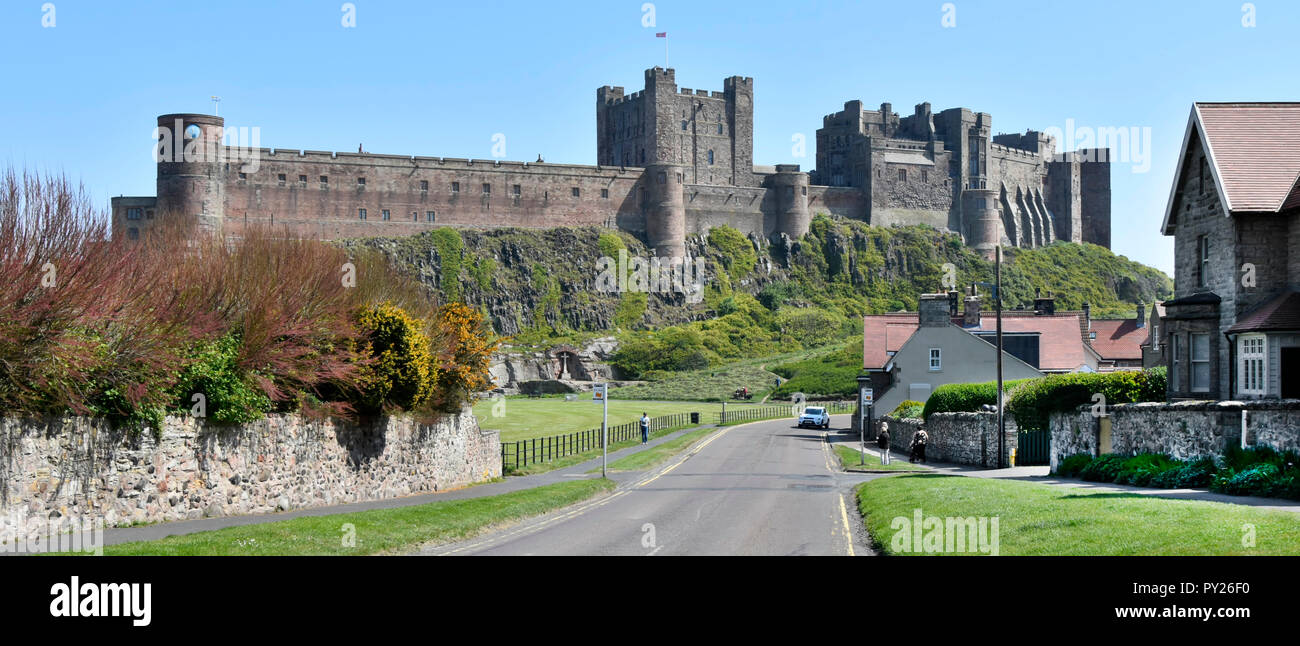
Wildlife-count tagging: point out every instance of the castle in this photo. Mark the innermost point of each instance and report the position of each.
(672, 162)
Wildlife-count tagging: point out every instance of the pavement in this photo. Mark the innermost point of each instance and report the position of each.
(764, 488)
(1042, 475)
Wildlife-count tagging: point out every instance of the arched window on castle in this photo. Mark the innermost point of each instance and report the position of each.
(710, 157)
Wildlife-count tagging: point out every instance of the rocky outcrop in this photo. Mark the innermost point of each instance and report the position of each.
(575, 367)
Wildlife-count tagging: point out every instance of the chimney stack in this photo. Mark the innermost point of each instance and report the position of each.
(972, 314)
(1044, 306)
(1087, 316)
(953, 300)
(1142, 315)
(933, 310)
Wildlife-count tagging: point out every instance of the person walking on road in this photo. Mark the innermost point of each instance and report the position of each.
(918, 445)
(645, 428)
(882, 441)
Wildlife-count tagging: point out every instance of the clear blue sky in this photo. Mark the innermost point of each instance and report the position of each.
(440, 78)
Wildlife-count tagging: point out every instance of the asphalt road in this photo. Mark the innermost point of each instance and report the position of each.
(765, 488)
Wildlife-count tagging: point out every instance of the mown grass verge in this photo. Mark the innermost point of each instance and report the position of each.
(534, 468)
(1040, 520)
(656, 455)
(850, 459)
(376, 532)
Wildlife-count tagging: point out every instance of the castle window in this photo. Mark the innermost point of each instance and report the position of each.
(385, 214)
(424, 185)
(361, 182)
(710, 157)
(642, 156)
(324, 181)
(455, 187)
(925, 176)
(803, 190)
(430, 215)
(302, 179)
(134, 213)
(662, 178)
(192, 131)
(577, 192)
(679, 178)
(487, 188)
(243, 177)
(361, 214)
(683, 125)
(604, 193)
(280, 178)
(516, 190)
(719, 128)
(902, 174)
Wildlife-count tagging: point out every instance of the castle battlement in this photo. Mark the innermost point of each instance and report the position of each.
(669, 165)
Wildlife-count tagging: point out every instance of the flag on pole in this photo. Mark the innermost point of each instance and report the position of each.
(662, 34)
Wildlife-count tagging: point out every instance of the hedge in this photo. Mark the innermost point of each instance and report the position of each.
(1033, 404)
(967, 398)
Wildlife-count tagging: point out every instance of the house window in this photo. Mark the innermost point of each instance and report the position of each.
(455, 187)
(424, 186)
(577, 192)
(361, 214)
(385, 214)
(1203, 261)
(134, 213)
(1200, 363)
(430, 215)
(1175, 362)
(1252, 365)
(487, 188)
(936, 359)
(148, 214)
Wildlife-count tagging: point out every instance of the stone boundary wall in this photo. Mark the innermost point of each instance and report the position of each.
(51, 468)
(1183, 430)
(959, 438)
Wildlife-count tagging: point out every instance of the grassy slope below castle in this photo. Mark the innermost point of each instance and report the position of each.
(761, 300)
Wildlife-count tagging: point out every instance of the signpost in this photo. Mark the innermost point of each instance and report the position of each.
(868, 399)
(599, 393)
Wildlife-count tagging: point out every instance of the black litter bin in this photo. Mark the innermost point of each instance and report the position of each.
(695, 418)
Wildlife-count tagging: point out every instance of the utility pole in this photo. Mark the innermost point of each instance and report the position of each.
(997, 296)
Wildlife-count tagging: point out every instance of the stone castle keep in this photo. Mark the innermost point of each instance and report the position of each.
(672, 162)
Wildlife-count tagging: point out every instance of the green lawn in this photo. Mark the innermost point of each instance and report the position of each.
(534, 468)
(1037, 519)
(378, 531)
(524, 418)
(718, 383)
(657, 455)
(851, 459)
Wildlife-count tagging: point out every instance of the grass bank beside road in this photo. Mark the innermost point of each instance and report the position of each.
(1038, 520)
(374, 532)
(524, 418)
(656, 455)
(851, 459)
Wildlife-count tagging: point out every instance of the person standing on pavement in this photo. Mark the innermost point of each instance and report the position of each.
(882, 441)
(918, 445)
(645, 428)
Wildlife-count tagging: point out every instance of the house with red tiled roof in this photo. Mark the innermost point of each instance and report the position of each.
(1232, 330)
(909, 354)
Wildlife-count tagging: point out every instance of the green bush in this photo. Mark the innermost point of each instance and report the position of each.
(1140, 469)
(737, 252)
(909, 409)
(1105, 468)
(1195, 474)
(968, 398)
(403, 372)
(231, 395)
(450, 248)
(1033, 404)
(830, 375)
(1255, 480)
(1072, 465)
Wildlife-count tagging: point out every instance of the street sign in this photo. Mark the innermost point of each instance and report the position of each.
(598, 392)
(868, 396)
